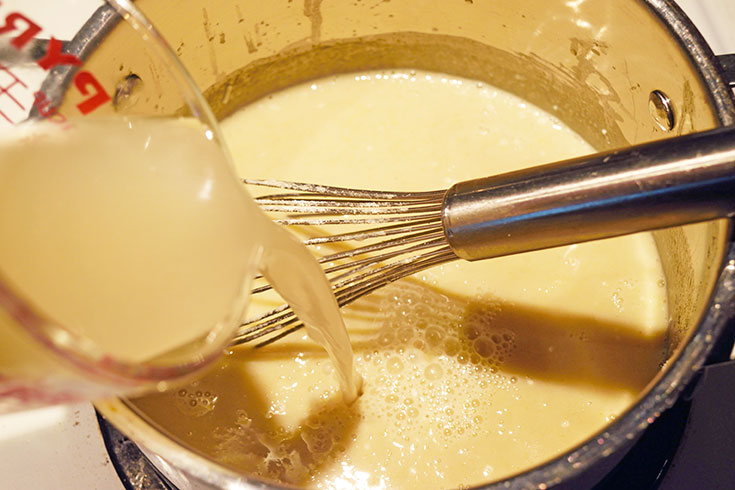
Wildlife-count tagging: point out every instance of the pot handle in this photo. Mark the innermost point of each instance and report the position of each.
(727, 62)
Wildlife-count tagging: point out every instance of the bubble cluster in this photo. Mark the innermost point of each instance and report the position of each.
(432, 364)
(492, 343)
(286, 455)
(318, 440)
(194, 401)
(460, 386)
(421, 319)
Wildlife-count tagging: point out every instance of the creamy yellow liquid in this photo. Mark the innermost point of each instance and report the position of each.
(137, 239)
(473, 371)
(136, 248)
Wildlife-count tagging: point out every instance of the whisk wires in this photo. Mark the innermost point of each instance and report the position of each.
(381, 236)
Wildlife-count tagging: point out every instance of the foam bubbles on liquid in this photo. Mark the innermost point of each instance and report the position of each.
(430, 348)
(443, 373)
(194, 401)
(287, 455)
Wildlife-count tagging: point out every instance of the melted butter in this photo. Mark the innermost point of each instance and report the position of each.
(473, 371)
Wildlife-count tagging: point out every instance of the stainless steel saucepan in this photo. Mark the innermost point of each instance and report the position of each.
(619, 73)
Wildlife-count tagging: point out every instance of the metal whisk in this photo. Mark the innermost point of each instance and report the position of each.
(657, 185)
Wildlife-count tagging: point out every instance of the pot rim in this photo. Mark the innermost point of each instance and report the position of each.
(712, 321)
(615, 436)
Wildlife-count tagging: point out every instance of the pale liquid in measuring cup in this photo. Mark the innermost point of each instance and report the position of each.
(473, 371)
(137, 237)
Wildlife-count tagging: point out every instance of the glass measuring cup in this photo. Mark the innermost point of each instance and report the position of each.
(124, 262)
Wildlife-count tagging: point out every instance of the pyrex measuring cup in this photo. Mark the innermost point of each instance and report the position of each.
(120, 265)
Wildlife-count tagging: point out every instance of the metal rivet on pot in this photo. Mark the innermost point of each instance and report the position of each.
(661, 109)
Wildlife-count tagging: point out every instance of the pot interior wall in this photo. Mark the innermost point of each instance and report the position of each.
(592, 63)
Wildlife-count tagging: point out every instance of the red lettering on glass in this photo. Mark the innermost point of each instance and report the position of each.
(43, 105)
(30, 31)
(83, 81)
(54, 56)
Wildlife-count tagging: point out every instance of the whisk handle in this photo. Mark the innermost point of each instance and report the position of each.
(656, 185)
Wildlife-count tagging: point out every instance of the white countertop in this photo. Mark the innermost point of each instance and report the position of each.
(60, 448)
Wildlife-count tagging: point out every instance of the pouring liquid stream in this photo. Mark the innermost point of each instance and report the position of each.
(136, 245)
(477, 370)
